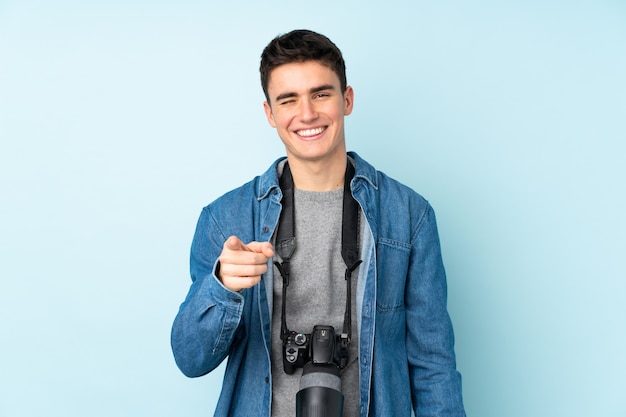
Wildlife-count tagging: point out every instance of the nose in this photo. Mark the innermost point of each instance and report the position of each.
(308, 112)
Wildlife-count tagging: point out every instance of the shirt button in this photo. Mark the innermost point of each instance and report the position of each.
(266, 229)
(267, 379)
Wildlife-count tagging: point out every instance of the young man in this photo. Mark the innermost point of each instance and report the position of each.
(251, 288)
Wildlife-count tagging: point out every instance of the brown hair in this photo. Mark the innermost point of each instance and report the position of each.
(300, 46)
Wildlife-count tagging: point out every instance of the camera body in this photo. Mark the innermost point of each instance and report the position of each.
(320, 347)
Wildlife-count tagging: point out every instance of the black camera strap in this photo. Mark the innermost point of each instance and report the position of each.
(286, 246)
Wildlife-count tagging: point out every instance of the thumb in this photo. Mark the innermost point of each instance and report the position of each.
(264, 248)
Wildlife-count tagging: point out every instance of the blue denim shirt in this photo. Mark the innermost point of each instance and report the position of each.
(406, 343)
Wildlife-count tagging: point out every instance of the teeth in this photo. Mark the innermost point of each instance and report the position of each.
(310, 132)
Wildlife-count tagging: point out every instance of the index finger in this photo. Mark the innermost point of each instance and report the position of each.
(235, 244)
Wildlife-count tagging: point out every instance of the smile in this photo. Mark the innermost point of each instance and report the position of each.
(310, 132)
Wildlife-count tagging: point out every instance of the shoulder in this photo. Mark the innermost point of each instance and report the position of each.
(391, 192)
(249, 193)
(395, 210)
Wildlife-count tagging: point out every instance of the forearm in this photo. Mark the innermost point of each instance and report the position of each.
(205, 327)
(206, 324)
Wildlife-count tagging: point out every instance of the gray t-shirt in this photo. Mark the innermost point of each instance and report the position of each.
(316, 295)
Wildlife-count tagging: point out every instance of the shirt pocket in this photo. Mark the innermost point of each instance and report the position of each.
(392, 260)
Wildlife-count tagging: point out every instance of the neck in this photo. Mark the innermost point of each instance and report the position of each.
(318, 176)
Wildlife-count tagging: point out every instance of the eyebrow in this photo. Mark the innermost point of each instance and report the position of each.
(311, 91)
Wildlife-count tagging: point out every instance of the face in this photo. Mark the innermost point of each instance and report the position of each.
(307, 108)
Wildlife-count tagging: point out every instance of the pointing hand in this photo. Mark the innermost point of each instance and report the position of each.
(241, 265)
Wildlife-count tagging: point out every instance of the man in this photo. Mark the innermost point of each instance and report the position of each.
(250, 290)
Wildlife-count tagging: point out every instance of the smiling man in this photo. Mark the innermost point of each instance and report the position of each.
(321, 280)
(307, 104)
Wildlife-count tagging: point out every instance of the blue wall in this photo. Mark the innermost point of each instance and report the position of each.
(120, 120)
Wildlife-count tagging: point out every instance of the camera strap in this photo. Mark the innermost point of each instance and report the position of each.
(286, 246)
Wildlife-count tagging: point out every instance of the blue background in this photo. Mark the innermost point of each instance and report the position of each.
(119, 120)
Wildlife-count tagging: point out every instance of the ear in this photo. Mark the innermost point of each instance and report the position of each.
(348, 101)
(269, 114)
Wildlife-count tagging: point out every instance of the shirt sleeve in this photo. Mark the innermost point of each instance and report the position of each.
(435, 382)
(209, 320)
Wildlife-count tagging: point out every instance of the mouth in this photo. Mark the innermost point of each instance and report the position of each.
(310, 133)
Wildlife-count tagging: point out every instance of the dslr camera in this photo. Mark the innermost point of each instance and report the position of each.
(321, 354)
(321, 347)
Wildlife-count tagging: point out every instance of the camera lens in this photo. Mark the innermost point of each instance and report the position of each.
(320, 392)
